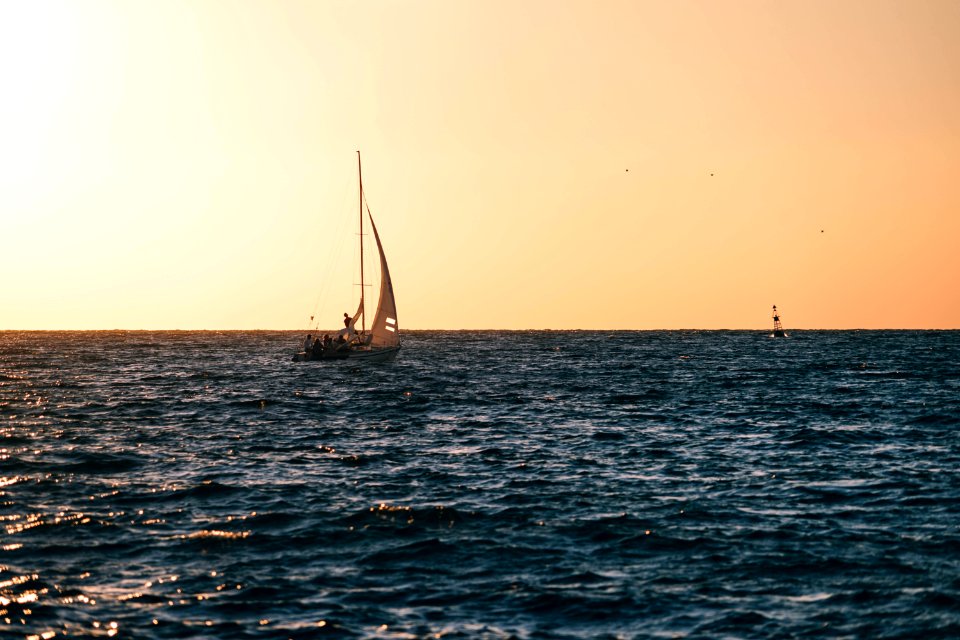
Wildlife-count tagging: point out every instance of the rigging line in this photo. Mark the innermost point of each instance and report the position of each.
(341, 242)
(363, 299)
(339, 238)
(325, 279)
(366, 203)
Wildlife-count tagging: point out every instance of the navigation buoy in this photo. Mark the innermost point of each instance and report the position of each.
(778, 331)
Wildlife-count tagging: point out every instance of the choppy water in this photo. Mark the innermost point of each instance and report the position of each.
(484, 485)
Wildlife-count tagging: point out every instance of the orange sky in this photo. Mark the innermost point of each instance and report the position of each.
(530, 164)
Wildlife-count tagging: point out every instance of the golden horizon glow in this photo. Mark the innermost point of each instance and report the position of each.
(576, 165)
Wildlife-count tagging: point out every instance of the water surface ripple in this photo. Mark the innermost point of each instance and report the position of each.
(485, 485)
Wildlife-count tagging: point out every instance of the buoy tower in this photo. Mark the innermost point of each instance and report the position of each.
(777, 327)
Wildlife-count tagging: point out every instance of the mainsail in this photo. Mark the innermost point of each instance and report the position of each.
(356, 316)
(384, 330)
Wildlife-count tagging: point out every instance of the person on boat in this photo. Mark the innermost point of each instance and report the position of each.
(317, 350)
(348, 332)
(307, 343)
(326, 340)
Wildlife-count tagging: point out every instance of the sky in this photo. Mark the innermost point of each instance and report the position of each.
(530, 165)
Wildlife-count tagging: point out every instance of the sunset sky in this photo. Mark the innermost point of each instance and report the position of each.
(530, 164)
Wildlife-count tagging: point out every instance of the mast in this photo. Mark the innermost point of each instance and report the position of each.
(363, 303)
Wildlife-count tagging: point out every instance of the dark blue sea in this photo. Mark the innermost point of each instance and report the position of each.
(659, 484)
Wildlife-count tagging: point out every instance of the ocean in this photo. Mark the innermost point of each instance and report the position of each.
(531, 484)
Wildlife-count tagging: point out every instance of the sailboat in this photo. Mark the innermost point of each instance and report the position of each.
(381, 342)
(778, 331)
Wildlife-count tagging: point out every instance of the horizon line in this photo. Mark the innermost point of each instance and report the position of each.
(332, 330)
